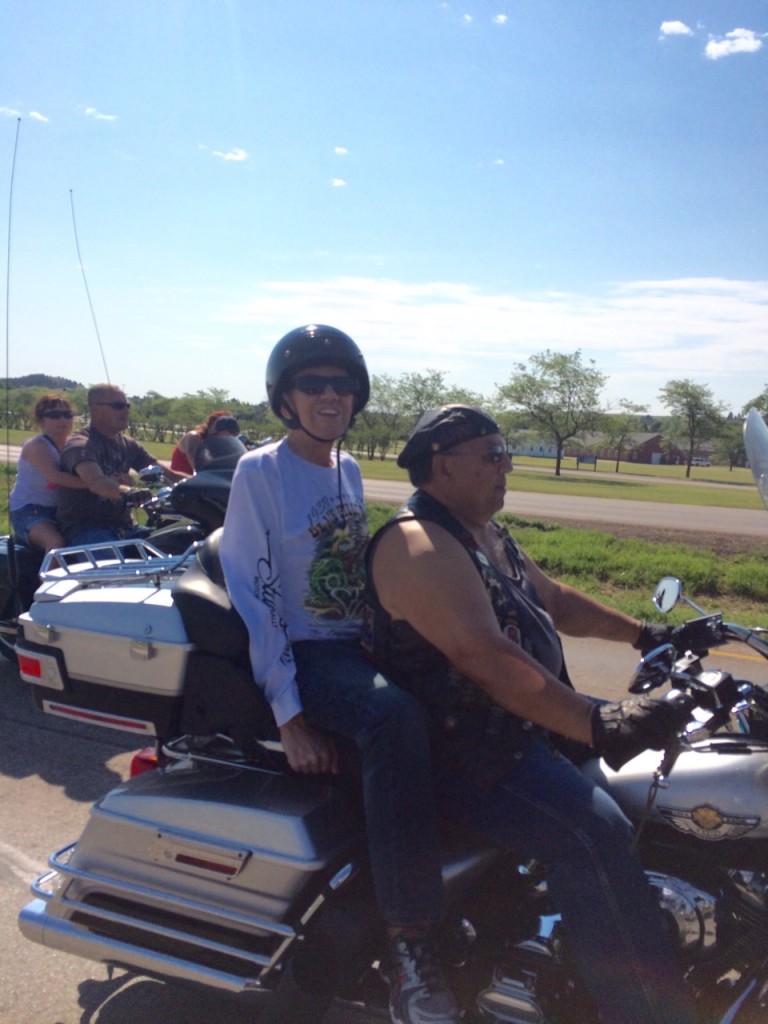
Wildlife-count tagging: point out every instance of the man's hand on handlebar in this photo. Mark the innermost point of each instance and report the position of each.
(625, 729)
(654, 634)
(135, 496)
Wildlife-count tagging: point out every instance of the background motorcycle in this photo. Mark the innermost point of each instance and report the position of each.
(176, 517)
(224, 870)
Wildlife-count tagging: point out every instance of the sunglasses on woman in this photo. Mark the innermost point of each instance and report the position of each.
(315, 384)
(58, 414)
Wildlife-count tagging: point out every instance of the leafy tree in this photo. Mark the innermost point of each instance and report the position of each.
(559, 394)
(760, 403)
(730, 444)
(463, 396)
(421, 391)
(395, 405)
(696, 416)
(618, 428)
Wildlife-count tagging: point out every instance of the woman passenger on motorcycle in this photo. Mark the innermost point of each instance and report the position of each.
(292, 552)
(34, 497)
(183, 455)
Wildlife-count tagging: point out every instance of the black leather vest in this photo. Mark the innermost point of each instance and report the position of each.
(467, 726)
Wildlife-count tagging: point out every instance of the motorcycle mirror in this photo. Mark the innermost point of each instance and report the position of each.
(668, 592)
(756, 446)
(151, 474)
(654, 669)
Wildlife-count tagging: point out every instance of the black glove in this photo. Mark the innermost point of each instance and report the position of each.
(654, 634)
(623, 730)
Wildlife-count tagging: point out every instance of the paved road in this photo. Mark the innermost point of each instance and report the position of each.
(560, 507)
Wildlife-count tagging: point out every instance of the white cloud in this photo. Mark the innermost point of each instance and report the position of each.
(98, 116)
(338, 183)
(340, 150)
(500, 19)
(234, 155)
(674, 28)
(740, 40)
(9, 112)
(640, 333)
(36, 116)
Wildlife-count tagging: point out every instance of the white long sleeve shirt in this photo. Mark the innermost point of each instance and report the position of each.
(292, 554)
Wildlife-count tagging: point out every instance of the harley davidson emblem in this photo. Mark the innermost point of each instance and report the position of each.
(707, 822)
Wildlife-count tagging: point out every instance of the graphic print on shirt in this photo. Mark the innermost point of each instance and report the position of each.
(336, 574)
(266, 587)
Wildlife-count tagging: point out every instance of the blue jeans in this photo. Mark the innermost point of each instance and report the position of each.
(344, 694)
(546, 809)
(24, 518)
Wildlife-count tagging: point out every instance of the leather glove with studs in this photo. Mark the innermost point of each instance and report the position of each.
(654, 634)
(625, 729)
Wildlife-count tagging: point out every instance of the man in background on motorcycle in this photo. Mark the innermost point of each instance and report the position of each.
(293, 552)
(103, 458)
(463, 619)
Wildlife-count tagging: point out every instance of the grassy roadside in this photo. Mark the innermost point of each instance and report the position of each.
(615, 567)
(622, 571)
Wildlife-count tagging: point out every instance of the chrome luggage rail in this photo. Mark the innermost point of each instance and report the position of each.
(115, 561)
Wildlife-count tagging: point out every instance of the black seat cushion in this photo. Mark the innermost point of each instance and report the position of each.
(211, 621)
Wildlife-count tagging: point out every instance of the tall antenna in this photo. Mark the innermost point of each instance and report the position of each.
(87, 292)
(8, 303)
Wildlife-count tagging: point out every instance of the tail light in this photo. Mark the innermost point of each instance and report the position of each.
(144, 760)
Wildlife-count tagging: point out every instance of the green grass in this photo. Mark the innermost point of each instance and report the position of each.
(648, 486)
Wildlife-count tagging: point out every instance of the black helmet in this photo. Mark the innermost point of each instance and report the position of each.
(314, 345)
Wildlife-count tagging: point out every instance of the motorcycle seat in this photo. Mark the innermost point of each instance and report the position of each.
(212, 622)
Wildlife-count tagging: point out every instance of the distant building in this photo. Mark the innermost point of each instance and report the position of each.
(649, 448)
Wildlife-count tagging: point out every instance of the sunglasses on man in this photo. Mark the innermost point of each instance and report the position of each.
(316, 383)
(117, 406)
(58, 414)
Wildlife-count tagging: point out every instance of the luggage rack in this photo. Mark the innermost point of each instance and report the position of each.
(115, 561)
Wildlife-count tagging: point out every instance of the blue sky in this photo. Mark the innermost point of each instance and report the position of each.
(456, 184)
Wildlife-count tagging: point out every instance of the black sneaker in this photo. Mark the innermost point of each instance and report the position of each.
(418, 993)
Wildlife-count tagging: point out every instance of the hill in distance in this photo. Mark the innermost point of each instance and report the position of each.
(40, 380)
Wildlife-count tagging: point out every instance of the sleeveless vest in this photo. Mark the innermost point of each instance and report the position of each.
(469, 730)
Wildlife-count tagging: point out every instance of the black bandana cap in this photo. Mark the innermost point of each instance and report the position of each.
(439, 429)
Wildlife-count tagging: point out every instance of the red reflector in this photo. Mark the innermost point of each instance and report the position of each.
(207, 865)
(144, 760)
(30, 666)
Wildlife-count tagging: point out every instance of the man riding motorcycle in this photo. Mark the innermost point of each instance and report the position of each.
(461, 618)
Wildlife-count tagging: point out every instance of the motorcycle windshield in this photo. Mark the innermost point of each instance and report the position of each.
(219, 452)
(756, 446)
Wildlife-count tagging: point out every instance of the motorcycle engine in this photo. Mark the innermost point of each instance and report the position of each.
(690, 914)
(537, 980)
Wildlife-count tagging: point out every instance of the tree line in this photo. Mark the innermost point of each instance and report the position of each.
(554, 397)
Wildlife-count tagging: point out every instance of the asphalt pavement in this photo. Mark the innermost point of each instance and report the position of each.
(564, 508)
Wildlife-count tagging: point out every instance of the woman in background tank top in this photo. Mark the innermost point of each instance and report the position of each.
(39, 476)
